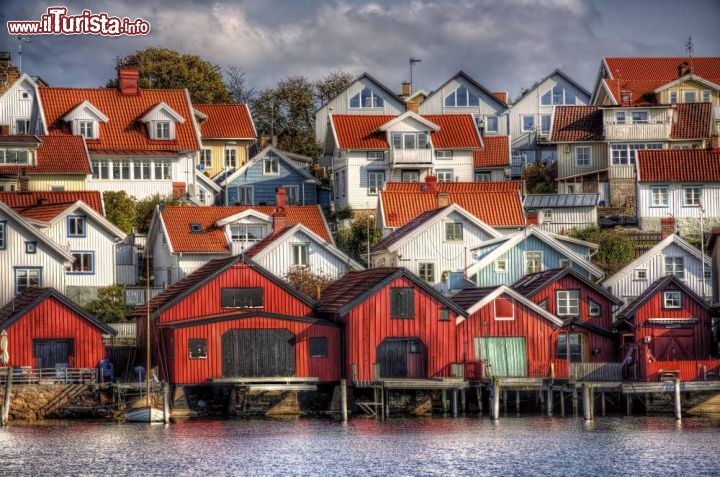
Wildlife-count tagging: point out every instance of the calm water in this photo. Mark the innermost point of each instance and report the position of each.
(472, 446)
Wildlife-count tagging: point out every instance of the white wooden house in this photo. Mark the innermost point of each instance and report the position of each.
(434, 244)
(18, 111)
(672, 255)
(561, 213)
(714, 246)
(679, 183)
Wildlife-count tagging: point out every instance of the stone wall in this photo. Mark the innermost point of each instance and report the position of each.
(622, 193)
(31, 402)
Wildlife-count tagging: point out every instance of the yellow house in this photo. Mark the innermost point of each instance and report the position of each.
(226, 131)
(43, 163)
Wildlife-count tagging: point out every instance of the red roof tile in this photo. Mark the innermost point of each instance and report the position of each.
(642, 76)
(124, 129)
(456, 187)
(501, 95)
(354, 131)
(55, 155)
(577, 123)
(41, 204)
(496, 152)
(226, 121)
(497, 208)
(693, 121)
(678, 165)
(212, 239)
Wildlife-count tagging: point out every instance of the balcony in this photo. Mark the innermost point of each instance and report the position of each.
(411, 157)
(632, 132)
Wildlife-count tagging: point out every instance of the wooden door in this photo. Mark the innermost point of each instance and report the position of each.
(674, 344)
(401, 358)
(49, 353)
(258, 353)
(505, 356)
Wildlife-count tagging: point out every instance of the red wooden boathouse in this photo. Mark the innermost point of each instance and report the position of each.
(395, 325)
(233, 319)
(45, 329)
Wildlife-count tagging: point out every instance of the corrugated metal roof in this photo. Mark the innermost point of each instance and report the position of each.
(536, 201)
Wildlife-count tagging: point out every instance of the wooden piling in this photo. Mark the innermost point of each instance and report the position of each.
(6, 402)
(478, 391)
(575, 401)
(454, 403)
(166, 402)
(587, 405)
(386, 401)
(628, 403)
(602, 403)
(678, 407)
(549, 401)
(343, 399)
(517, 402)
(562, 403)
(496, 398)
(505, 401)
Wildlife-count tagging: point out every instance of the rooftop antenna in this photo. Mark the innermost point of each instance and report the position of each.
(690, 48)
(21, 40)
(413, 60)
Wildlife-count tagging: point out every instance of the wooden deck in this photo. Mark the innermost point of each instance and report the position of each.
(279, 383)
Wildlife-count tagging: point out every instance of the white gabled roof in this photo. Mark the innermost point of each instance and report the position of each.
(515, 295)
(162, 106)
(410, 115)
(32, 230)
(89, 212)
(241, 215)
(86, 106)
(262, 155)
(657, 249)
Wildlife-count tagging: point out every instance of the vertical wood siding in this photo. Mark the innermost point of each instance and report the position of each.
(13, 106)
(53, 320)
(264, 186)
(567, 163)
(185, 370)
(369, 323)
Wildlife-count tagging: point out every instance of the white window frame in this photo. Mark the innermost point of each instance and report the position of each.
(706, 96)
(689, 92)
(496, 120)
(271, 166)
(86, 129)
(547, 216)
(583, 156)
(568, 302)
(675, 266)
(659, 196)
(84, 257)
(376, 182)
(163, 167)
(376, 155)
(415, 175)
(672, 299)
(443, 154)
(376, 101)
(101, 170)
(26, 125)
(620, 117)
(451, 231)
(640, 274)
(444, 175)
(292, 194)
(163, 130)
(121, 170)
(471, 100)
(526, 264)
(300, 254)
(640, 117)
(231, 157)
(206, 157)
(692, 196)
(239, 233)
(594, 308)
(522, 122)
(483, 176)
(501, 266)
(142, 171)
(672, 97)
(426, 271)
(31, 273)
(545, 118)
(245, 195)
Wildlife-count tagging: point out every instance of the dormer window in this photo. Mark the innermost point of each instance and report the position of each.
(461, 97)
(161, 130)
(195, 228)
(557, 95)
(22, 126)
(366, 98)
(14, 156)
(409, 140)
(87, 129)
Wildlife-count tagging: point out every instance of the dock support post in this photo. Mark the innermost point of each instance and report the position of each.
(386, 400)
(628, 403)
(549, 401)
(496, 398)
(463, 400)
(6, 401)
(166, 402)
(575, 401)
(587, 404)
(602, 403)
(562, 402)
(454, 403)
(517, 402)
(505, 401)
(343, 399)
(678, 407)
(478, 391)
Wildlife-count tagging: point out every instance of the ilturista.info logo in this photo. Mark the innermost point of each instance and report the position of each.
(57, 22)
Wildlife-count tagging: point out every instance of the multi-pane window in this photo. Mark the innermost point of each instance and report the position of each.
(620, 117)
(244, 195)
(640, 274)
(442, 154)
(625, 154)
(250, 297)
(692, 196)
(491, 124)
(87, 130)
(501, 266)
(533, 262)
(444, 175)
(659, 196)
(483, 176)
(162, 130)
(292, 194)
(76, 226)
(162, 170)
(22, 126)
(300, 253)
(689, 96)
(231, 158)
(557, 95)
(206, 157)
(582, 156)
(640, 117)
(545, 123)
(547, 216)
(197, 348)
(594, 308)
(570, 347)
(27, 278)
(402, 302)
(318, 347)
(142, 171)
(101, 170)
(426, 271)
(528, 122)
(14, 156)
(673, 97)
(376, 180)
(83, 262)
(675, 266)
(706, 98)
(568, 302)
(410, 176)
(454, 231)
(409, 140)
(461, 97)
(672, 299)
(121, 170)
(367, 98)
(3, 234)
(271, 166)
(246, 233)
(376, 155)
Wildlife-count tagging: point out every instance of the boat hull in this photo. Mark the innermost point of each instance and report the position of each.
(144, 414)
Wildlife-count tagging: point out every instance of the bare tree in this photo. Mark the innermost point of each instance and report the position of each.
(237, 84)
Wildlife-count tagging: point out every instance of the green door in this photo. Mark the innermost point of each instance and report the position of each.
(505, 356)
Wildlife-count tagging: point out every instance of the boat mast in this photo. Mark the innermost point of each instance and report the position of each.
(147, 328)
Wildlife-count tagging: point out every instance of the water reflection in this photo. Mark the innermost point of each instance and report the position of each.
(472, 446)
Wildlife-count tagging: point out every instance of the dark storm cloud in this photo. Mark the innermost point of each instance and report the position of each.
(505, 45)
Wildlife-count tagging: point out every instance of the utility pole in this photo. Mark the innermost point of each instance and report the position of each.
(413, 60)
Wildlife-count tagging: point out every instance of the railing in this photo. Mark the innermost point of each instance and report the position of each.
(595, 371)
(59, 375)
(686, 370)
(136, 296)
(614, 132)
(411, 156)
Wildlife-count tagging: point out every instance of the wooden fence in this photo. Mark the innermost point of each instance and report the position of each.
(59, 375)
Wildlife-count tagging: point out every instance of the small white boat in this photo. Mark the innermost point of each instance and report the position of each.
(144, 414)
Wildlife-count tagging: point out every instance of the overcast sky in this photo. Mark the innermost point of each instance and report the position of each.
(504, 44)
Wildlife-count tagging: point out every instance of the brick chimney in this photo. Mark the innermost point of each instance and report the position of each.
(443, 199)
(715, 142)
(532, 217)
(413, 106)
(4, 130)
(431, 184)
(128, 81)
(9, 73)
(279, 215)
(406, 89)
(24, 183)
(667, 227)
